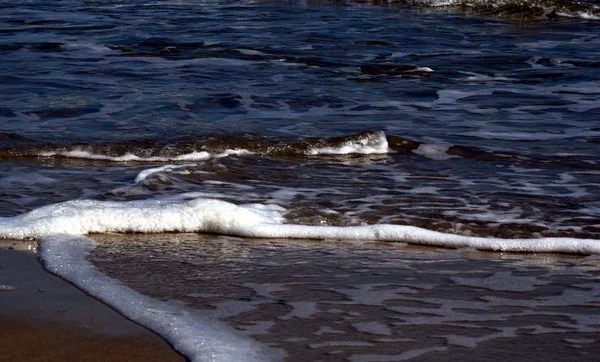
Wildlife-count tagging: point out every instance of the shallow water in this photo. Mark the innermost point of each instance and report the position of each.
(479, 119)
(370, 301)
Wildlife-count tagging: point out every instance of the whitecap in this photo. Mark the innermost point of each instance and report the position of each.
(128, 157)
(367, 145)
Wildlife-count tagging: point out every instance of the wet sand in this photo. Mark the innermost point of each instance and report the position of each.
(359, 302)
(369, 301)
(44, 318)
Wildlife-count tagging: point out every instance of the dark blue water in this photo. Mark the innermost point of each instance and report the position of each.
(108, 71)
(492, 118)
(482, 118)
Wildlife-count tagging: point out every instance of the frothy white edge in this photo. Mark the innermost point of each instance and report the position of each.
(79, 217)
(142, 175)
(365, 145)
(193, 333)
(63, 248)
(130, 157)
(583, 14)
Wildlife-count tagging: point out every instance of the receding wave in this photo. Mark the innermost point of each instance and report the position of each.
(81, 217)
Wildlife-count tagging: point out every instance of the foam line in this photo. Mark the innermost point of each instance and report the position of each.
(81, 217)
(64, 250)
(128, 157)
(416, 235)
(195, 335)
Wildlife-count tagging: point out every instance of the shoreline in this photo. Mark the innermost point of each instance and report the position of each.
(407, 302)
(45, 318)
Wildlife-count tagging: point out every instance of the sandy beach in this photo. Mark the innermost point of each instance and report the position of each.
(413, 302)
(44, 318)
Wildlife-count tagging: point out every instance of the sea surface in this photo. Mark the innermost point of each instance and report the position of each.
(314, 180)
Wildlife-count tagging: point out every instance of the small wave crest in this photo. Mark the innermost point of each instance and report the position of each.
(365, 143)
(369, 142)
(540, 9)
(202, 148)
(128, 157)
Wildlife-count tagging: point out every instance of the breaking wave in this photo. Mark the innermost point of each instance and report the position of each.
(201, 148)
(370, 142)
(540, 9)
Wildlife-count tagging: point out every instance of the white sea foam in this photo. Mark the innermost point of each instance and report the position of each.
(128, 157)
(80, 217)
(421, 69)
(146, 173)
(196, 335)
(63, 248)
(497, 4)
(587, 15)
(371, 144)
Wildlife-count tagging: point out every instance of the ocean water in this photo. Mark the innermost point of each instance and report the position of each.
(314, 180)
